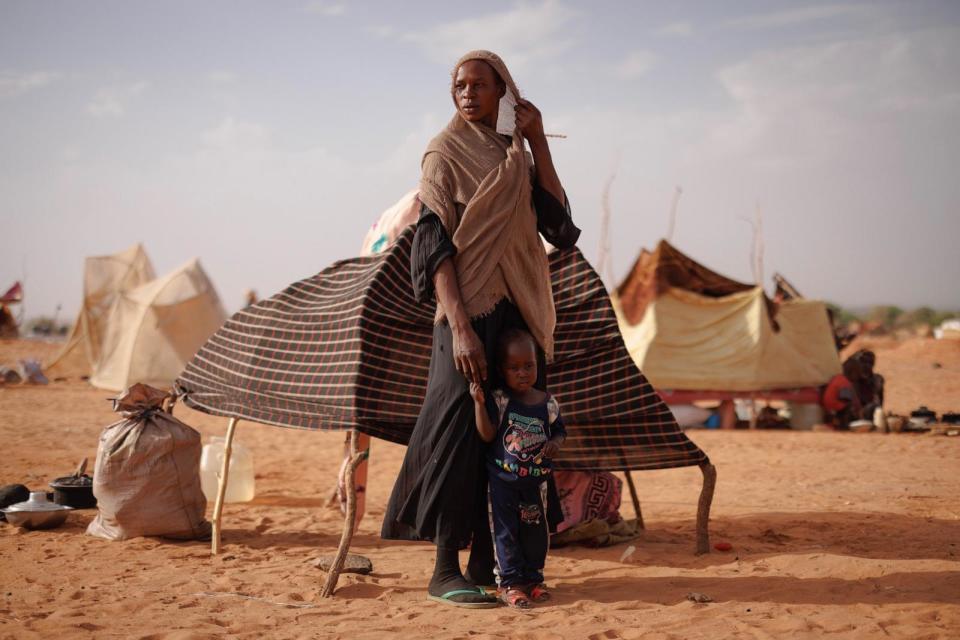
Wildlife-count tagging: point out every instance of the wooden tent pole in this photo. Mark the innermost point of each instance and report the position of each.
(636, 499)
(334, 498)
(356, 457)
(216, 520)
(703, 507)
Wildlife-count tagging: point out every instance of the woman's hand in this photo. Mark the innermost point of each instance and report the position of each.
(468, 355)
(529, 120)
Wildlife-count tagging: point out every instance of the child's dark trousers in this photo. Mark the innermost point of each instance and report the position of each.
(519, 531)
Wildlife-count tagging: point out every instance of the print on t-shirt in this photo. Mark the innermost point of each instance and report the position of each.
(523, 430)
(524, 437)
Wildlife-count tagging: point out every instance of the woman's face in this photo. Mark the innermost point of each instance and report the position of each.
(477, 92)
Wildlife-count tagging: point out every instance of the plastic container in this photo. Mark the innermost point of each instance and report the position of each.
(240, 483)
(804, 415)
(880, 421)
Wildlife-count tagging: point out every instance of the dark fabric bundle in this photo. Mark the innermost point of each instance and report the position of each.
(350, 347)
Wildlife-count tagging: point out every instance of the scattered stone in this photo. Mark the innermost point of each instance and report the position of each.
(263, 524)
(12, 494)
(770, 535)
(696, 596)
(352, 564)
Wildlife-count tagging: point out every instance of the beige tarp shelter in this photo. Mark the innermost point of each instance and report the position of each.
(137, 328)
(8, 323)
(104, 278)
(690, 328)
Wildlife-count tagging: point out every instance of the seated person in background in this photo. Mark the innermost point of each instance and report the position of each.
(869, 385)
(840, 402)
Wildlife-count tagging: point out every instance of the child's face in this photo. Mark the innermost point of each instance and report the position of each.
(519, 366)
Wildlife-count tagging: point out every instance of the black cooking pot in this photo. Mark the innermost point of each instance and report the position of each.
(74, 491)
(923, 414)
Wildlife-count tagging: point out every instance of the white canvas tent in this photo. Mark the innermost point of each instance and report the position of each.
(104, 278)
(689, 328)
(134, 328)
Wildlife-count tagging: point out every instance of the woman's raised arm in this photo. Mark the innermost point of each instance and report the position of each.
(531, 126)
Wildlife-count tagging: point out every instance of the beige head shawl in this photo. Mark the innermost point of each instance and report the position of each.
(468, 167)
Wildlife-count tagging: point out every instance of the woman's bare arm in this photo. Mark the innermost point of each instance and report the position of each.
(468, 353)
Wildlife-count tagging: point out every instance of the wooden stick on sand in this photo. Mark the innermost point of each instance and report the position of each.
(222, 488)
(703, 507)
(636, 500)
(356, 457)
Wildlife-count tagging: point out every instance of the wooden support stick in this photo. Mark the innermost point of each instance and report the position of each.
(356, 457)
(222, 488)
(334, 500)
(703, 508)
(636, 499)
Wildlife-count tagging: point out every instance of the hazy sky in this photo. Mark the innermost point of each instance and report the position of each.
(265, 137)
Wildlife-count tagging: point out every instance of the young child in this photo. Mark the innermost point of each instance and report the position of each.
(523, 426)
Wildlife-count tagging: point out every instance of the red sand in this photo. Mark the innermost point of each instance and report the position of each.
(853, 535)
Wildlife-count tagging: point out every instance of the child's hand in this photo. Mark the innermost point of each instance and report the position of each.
(476, 392)
(551, 449)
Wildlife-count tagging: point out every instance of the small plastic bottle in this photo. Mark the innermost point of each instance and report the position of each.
(240, 482)
(880, 421)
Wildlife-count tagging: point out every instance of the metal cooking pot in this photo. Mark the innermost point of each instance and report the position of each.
(37, 512)
(73, 491)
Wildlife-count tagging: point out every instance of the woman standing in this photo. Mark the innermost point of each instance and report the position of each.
(477, 249)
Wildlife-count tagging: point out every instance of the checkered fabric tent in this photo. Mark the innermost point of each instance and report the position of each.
(349, 348)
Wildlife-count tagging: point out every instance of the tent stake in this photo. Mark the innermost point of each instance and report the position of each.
(636, 500)
(356, 457)
(703, 507)
(216, 520)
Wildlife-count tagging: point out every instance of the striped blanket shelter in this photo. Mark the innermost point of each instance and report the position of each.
(349, 348)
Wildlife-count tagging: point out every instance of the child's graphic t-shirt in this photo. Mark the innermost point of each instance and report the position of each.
(516, 454)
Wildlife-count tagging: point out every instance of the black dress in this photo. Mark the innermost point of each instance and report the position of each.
(440, 493)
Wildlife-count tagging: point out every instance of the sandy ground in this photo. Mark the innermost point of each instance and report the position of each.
(852, 535)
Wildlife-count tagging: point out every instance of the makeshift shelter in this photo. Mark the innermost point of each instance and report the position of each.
(8, 322)
(349, 349)
(694, 333)
(156, 328)
(135, 330)
(391, 224)
(104, 279)
(948, 330)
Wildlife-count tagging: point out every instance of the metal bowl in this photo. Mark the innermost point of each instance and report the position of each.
(37, 512)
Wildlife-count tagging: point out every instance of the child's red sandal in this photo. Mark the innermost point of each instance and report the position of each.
(539, 593)
(514, 597)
